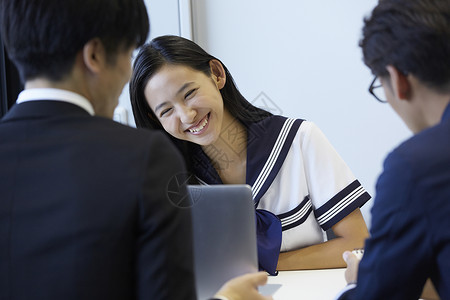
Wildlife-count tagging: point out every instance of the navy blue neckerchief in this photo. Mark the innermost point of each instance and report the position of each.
(268, 143)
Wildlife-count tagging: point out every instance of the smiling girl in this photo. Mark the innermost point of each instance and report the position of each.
(301, 186)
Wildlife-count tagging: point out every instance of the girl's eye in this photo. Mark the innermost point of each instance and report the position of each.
(190, 93)
(165, 111)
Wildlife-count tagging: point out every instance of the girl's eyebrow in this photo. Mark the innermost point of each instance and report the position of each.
(160, 105)
(184, 86)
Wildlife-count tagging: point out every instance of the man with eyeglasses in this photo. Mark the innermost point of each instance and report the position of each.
(406, 44)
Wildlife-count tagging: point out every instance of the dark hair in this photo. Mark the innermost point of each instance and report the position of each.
(43, 37)
(175, 50)
(411, 35)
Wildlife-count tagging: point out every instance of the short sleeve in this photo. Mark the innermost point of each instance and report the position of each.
(334, 190)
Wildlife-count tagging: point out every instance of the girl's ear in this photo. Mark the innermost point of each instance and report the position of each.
(218, 73)
(400, 83)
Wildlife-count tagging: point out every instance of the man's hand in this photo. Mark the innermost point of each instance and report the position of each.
(244, 287)
(351, 274)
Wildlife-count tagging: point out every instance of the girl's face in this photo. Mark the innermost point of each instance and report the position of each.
(187, 102)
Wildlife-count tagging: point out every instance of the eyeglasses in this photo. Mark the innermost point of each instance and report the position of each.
(377, 91)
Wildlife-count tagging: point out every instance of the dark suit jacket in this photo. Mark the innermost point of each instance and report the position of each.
(410, 232)
(84, 209)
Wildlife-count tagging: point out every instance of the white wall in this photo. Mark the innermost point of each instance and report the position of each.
(304, 57)
(164, 19)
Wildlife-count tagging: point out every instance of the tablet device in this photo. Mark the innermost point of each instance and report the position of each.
(224, 234)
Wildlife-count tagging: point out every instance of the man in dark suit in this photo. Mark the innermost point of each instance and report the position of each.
(84, 201)
(406, 44)
(84, 210)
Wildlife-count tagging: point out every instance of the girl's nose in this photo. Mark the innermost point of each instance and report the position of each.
(187, 115)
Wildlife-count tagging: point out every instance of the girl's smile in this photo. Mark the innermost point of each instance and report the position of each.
(200, 127)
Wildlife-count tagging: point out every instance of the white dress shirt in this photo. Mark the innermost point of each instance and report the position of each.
(52, 94)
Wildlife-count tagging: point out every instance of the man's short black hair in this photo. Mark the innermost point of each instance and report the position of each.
(411, 35)
(42, 37)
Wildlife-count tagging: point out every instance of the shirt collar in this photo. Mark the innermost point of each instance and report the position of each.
(52, 94)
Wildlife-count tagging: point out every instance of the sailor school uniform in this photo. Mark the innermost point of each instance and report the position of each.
(301, 186)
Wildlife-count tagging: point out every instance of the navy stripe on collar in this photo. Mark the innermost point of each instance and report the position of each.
(296, 216)
(269, 142)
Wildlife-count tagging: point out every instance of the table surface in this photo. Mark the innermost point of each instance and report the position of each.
(311, 285)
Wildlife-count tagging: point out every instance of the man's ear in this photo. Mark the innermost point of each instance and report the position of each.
(94, 55)
(218, 73)
(399, 83)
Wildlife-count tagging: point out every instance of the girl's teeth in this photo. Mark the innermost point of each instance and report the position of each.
(200, 127)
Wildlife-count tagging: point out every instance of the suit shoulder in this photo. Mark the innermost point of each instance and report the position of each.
(429, 146)
(127, 132)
